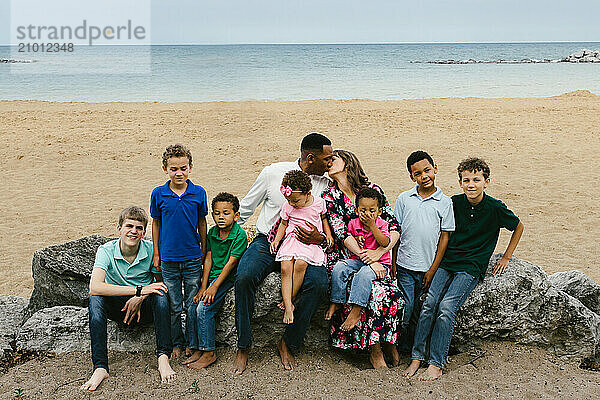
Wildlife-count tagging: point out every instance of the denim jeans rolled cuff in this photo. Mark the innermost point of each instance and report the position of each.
(204, 317)
(340, 275)
(175, 275)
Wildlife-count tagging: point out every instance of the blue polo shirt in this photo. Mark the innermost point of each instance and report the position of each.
(119, 271)
(421, 221)
(178, 238)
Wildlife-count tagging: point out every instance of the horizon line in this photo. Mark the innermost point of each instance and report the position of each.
(316, 43)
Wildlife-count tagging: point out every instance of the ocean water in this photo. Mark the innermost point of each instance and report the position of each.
(292, 72)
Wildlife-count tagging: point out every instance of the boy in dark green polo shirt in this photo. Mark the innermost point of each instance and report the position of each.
(226, 242)
(479, 218)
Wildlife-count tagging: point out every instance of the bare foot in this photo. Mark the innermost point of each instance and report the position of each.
(376, 357)
(431, 374)
(176, 353)
(333, 307)
(167, 375)
(99, 375)
(352, 318)
(208, 357)
(391, 352)
(193, 357)
(241, 362)
(287, 359)
(281, 305)
(288, 315)
(188, 352)
(412, 369)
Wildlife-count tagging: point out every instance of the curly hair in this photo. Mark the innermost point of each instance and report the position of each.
(297, 180)
(135, 213)
(176, 150)
(367, 192)
(417, 156)
(228, 198)
(473, 164)
(355, 172)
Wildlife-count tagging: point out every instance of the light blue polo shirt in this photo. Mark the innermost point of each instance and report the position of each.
(421, 221)
(119, 271)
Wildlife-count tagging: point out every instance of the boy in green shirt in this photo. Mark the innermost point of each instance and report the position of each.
(225, 244)
(479, 218)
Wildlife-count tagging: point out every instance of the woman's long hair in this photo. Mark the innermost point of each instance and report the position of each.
(355, 172)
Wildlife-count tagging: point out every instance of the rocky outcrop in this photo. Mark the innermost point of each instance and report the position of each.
(580, 286)
(11, 314)
(61, 273)
(523, 306)
(582, 56)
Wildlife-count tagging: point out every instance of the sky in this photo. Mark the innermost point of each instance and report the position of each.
(347, 21)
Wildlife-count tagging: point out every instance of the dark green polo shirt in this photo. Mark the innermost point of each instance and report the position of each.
(477, 230)
(221, 249)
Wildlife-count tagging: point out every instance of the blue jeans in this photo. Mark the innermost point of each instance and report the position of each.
(201, 319)
(254, 266)
(175, 274)
(362, 282)
(410, 282)
(154, 309)
(448, 291)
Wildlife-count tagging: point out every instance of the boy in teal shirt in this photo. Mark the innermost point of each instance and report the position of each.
(226, 242)
(478, 218)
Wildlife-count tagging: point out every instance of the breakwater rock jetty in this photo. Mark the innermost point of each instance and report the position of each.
(581, 56)
(559, 312)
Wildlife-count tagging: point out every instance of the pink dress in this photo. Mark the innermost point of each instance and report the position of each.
(291, 247)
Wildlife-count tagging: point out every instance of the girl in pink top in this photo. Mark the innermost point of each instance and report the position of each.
(301, 209)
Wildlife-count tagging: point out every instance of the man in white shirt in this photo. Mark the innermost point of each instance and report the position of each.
(257, 262)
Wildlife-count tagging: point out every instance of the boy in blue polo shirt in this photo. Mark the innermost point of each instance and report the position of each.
(179, 210)
(479, 218)
(426, 220)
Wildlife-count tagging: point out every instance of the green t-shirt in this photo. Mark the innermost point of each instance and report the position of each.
(221, 249)
(477, 229)
(119, 271)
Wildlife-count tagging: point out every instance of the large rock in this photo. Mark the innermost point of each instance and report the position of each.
(61, 273)
(580, 286)
(523, 306)
(11, 315)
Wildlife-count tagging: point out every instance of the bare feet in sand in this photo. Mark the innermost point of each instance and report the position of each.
(288, 315)
(176, 353)
(167, 375)
(352, 318)
(281, 305)
(99, 375)
(333, 307)
(412, 369)
(194, 357)
(207, 358)
(376, 357)
(241, 362)
(287, 359)
(391, 352)
(431, 374)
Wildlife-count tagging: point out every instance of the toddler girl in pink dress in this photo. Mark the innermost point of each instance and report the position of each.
(300, 209)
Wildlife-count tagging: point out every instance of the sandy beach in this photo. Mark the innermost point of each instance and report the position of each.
(70, 167)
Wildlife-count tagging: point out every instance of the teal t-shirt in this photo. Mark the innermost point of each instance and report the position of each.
(119, 271)
(222, 249)
(477, 229)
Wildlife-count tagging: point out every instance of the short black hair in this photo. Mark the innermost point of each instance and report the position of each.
(313, 143)
(473, 164)
(226, 197)
(367, 192)
(417, 156)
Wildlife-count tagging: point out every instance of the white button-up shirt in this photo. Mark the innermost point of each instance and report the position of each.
(266, 191)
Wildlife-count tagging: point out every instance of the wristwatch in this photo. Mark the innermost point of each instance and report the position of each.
(138, 291)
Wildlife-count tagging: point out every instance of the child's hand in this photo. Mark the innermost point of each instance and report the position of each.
(198, 296)
(360, 239)
(427, 278)
(379, 270)
(156, 263)
(500, 266)
(209, 294)
(393, 271)
(274, 246)
(330, 241)
(368, 219)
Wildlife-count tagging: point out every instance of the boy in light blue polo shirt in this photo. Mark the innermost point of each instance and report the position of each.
(426, 219)
(179, 210)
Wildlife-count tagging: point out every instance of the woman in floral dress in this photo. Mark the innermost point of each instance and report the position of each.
(380, 320)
